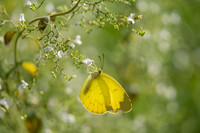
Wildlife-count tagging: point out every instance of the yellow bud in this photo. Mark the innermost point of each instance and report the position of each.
(30, 67)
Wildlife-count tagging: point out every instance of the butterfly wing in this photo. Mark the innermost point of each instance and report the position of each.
(119, 99)
(91, 96)
(102, 93)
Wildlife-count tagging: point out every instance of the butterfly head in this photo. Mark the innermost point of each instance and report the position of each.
(96, 73)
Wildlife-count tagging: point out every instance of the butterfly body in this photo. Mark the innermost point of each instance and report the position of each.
(101, 93)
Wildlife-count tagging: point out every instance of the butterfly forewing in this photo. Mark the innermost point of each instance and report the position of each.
(91, 96)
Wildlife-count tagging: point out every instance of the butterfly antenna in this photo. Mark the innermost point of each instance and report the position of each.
(100, 61)
(103, 61)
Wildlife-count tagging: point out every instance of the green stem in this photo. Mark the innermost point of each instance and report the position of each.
(5, 12)
(41, 4)
(15, 46)
(63, 13)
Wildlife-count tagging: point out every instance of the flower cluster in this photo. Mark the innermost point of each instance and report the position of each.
(3, 102)
(30, 4)
(131, 19)
(88, 62)
(76, 41)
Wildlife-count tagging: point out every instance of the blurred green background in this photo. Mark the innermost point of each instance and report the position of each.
(160, 72)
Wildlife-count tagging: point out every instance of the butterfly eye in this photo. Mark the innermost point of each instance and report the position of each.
(100, 71)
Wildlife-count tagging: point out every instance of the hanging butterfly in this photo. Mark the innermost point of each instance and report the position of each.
(101, 93)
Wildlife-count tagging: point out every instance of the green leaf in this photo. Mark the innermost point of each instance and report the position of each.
(8, 37)
(43, 24)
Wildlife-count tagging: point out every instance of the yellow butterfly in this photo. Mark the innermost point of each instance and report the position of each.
(101, 93)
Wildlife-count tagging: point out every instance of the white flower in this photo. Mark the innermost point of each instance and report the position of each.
(28, 3)
(21, 18)
(78, 40)
(73, 76)
(60, 53)
(88, 62)
(130, 18)
(4, 103)
(23, 84)
(48, 48)
(21, 88)
(74, 2)
(72, 45)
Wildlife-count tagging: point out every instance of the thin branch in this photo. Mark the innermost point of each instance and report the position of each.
(15, 47)
(41, 4)
(6, 14)
(63, 13)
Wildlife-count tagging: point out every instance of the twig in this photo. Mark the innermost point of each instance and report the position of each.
(6, 14)
(41, 4)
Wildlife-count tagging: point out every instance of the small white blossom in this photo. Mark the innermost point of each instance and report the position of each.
(21, 18)
(72, 45)
(21, 88)
(74, 2)
(23, 84)
(48, 48)
(88, 62)
(73, 76)
(28, 3)
(4, 103)
(78, 40)
(60, 53)
(130, 18)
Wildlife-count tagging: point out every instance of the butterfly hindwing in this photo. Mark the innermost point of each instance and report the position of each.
(118, 96)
